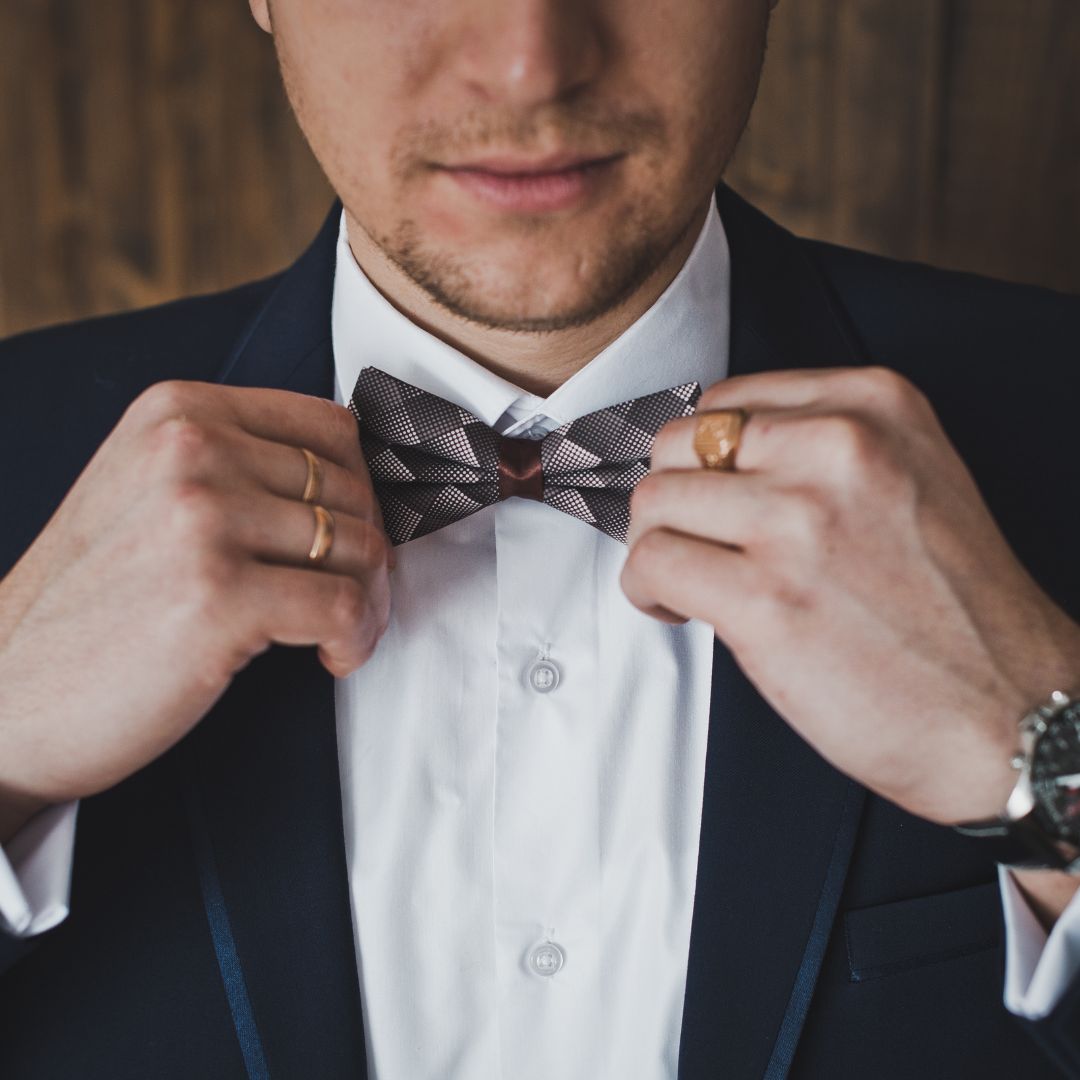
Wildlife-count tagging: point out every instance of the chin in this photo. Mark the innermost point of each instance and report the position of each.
(565, 287)
(521, 303)
(529, 273)
(532, 308)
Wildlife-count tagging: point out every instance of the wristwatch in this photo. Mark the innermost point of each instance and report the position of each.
(1040, 825)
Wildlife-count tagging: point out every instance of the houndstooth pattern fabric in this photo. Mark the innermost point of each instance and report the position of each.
(433, 463)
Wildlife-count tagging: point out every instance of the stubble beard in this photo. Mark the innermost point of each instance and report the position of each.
(623, 265)
(493, 295)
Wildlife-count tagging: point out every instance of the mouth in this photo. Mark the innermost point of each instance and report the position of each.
(532, 185)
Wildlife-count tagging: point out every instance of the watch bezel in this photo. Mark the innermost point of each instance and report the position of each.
(1021, 822)
(1022, 800)
(1052, 756)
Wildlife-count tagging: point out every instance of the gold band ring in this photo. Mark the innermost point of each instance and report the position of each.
(324, 536)
(717, 437)
(313, 486)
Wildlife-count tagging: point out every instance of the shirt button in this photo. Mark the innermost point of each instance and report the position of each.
(546, 959)
(544, 676)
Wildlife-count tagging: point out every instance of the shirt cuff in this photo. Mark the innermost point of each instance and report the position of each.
(1038, 966)
(35, 872)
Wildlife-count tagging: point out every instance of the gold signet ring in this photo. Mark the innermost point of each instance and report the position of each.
(717, 436)
(313, 486)
(324, 536)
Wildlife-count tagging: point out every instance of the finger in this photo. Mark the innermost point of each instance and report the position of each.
(327, 429)
(294, 606)
(362, 476)
(673, 447)
(873, 388)
(799, 443)
(283, 416)
(282, 470)
(229, 459)
(730, 508)
(773, 389)
(661, 614)
(688, 577)
(283, 530)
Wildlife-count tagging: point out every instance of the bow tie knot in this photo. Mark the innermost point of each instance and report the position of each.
(521, 468)
(433, 463)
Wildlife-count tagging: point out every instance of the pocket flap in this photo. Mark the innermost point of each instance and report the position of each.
(889, 938)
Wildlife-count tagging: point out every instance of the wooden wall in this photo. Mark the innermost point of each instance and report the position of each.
(941, 130)
(148, 151)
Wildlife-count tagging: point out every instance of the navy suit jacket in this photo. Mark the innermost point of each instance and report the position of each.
(833, 934)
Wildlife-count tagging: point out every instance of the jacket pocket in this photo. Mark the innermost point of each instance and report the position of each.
(889, 938)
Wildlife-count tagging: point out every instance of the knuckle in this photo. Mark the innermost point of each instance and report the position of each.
(209, 574)
(164, 399)
(716, 395)
(348, 606)
(359, 495)
(808, 518)
(850, 443)
(196, 514)
(643, 497)
(648, 551)
(664, 440)
(181, 444)
(885, 380)
(897, 395)
(371, 544)
(340, 422)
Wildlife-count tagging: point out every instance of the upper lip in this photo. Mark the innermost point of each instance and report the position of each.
(510, 165)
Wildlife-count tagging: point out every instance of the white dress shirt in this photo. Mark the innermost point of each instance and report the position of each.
(522, 758)
(525, 750)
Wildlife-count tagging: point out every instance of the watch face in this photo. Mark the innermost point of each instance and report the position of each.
(1055, 774)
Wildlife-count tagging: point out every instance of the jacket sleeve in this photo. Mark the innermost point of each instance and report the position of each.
(1059, 1033)
(13, 948)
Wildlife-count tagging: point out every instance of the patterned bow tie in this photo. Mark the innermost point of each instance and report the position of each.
(433, 463)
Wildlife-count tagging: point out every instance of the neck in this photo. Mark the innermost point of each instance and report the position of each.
(537, 362)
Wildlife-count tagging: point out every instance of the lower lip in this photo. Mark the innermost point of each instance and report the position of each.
(534, 192)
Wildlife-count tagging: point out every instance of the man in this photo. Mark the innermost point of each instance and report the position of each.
(538, 804)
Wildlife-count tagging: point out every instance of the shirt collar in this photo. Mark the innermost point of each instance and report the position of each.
(682, 337)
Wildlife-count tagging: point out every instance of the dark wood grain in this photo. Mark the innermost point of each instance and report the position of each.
(946, 131)
(149, 151)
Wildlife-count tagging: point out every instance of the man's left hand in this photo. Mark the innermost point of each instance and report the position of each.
(853, 569)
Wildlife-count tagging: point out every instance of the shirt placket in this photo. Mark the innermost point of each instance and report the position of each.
(546, 874)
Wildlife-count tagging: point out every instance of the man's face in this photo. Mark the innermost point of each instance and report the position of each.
(528, 163)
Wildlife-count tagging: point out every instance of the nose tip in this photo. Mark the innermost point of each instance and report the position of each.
(533, 51)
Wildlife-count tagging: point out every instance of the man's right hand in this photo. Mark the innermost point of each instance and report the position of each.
(179, 555)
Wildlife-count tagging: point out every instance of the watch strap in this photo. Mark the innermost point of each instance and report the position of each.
(1021, 844)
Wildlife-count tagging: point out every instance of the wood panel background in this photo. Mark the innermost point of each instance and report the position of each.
(148, 151)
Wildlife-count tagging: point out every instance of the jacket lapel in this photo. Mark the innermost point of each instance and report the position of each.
(778, 822)
(263, 788)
